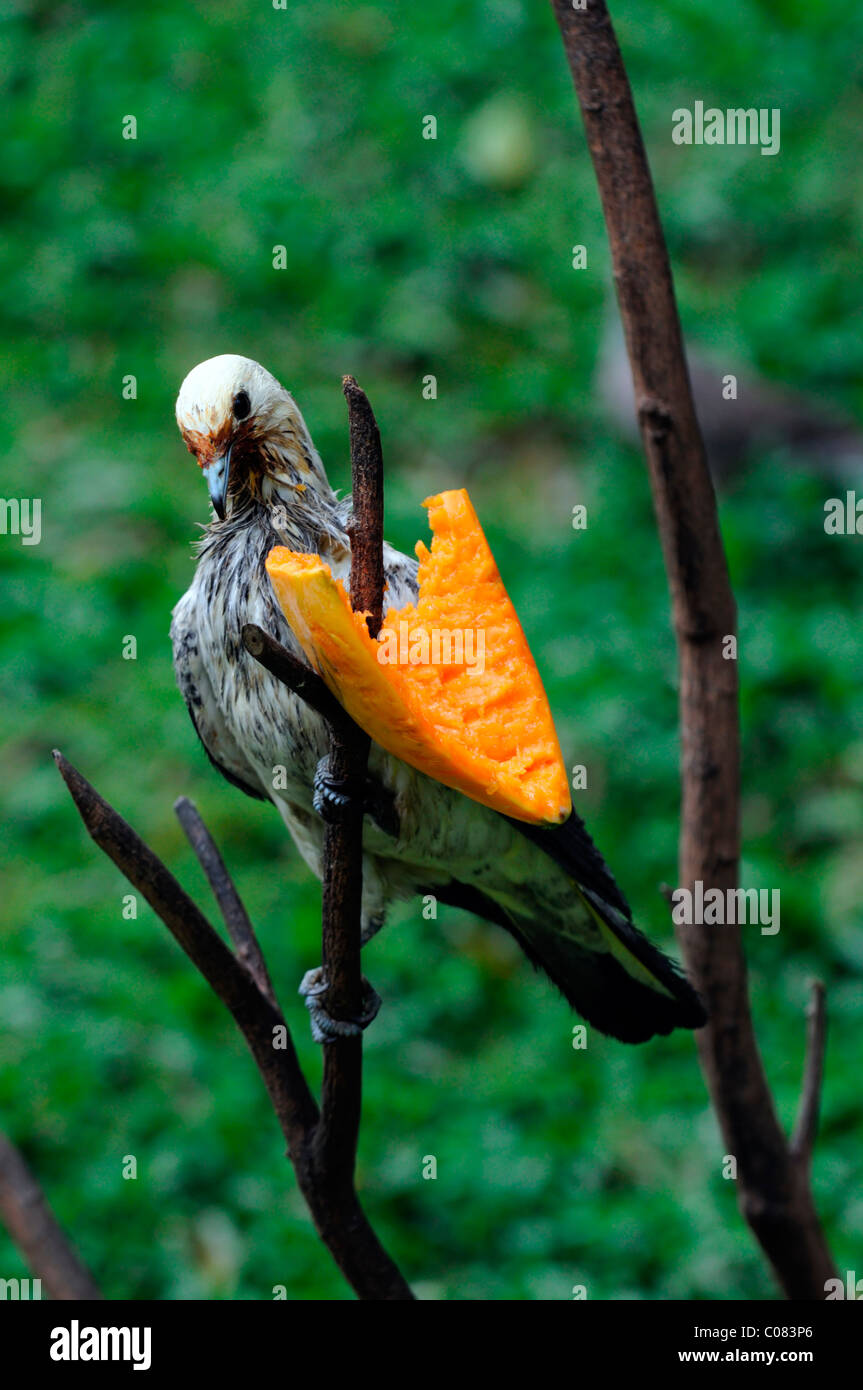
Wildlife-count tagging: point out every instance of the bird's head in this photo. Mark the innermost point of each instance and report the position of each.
(247, 434)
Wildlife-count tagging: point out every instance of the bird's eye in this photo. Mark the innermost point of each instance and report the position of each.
(242, 405)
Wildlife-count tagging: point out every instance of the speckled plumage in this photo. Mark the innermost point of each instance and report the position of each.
(251, 726)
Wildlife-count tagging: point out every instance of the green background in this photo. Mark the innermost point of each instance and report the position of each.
(258, 127)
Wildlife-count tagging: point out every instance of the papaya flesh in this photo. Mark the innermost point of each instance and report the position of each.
(449, 686)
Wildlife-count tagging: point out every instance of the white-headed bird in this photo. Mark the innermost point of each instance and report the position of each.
(548, 887)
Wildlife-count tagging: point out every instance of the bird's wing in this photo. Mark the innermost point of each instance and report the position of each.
(196, 689)
(570, 846)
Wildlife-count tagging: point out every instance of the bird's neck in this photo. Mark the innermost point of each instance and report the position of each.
(288, 501)
(305, 514)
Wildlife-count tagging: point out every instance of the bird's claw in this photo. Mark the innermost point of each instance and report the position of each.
(325, 1028)
(333, 795)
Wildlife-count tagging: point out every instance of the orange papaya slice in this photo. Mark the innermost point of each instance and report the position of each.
(450, 685)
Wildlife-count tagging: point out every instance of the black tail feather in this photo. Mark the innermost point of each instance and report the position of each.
(596, 983)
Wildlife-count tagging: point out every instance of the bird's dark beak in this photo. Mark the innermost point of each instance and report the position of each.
(218, 474)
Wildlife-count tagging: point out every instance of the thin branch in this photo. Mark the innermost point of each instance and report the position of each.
(303, 681)
(772, 1187)
(259, 1021)
(333, 1203)
(37, 1233)
(240, 928)
(806, 1128)
(297, 676)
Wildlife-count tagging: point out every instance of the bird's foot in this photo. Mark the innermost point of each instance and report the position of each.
(332, 797)
(325, 1028)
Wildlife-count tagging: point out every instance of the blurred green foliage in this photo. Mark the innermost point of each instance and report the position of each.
(258, 127)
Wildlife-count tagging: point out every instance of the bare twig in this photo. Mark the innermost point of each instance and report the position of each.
(333, 1203)
(806, 1128)
(297, 676)
(259, 1021)
(240, 929)
(773, 1188)
(303, 681)
(36, 1231)
(366, 530)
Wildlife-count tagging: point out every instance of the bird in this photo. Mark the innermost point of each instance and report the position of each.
(549, 887)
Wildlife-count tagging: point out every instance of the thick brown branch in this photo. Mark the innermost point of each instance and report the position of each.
(240, 929)
(341, 1089)
(773, 1189)
(36, 1231)
(341, 1092)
